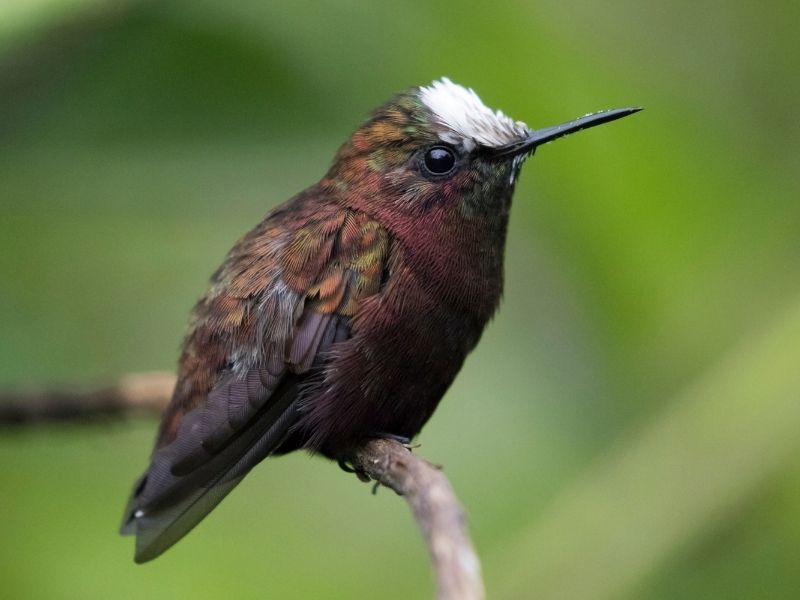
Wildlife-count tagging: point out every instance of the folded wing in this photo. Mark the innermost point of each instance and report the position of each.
(281, 301)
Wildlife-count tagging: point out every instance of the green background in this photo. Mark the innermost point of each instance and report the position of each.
(629, 425)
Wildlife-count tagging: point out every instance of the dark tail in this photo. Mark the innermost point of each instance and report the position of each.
(166, 506)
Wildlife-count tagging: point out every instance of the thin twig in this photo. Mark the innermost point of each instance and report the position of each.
(423, 485)
(436, 510)
(137, 394)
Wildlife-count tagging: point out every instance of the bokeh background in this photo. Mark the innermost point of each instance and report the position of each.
(629, 426)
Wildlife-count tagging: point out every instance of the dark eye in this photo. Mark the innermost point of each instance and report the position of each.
(439, 160)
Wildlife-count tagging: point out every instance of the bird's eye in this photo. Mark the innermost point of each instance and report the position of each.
(439, 160)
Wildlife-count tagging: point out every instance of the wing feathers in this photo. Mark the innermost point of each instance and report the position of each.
(161, 524)
(282, 299)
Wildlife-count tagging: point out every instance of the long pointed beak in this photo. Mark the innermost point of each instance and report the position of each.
(537, 137)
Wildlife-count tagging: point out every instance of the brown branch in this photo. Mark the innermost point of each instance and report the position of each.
(423, 485)
(137, 394)
(436, 510)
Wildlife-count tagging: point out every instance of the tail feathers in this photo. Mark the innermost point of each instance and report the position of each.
(165, 507)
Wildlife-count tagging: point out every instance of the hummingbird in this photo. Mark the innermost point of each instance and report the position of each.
(347, 312)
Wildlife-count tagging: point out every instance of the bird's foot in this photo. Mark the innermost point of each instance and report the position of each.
(402, 439)
(347, 468)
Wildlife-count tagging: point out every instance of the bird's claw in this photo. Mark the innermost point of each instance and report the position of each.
(402, 439)
(344, 466)
(347, 468)
(391, 436)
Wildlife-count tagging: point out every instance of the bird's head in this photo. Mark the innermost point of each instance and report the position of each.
(440, 146)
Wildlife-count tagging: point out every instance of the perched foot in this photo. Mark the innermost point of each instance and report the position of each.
(406, 441)
(391, 436)
(345, 465)
(362, 476)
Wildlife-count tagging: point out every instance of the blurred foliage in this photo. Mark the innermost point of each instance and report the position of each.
(627, 428)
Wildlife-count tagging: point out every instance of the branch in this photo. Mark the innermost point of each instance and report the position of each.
(423, 485)
(436, 510)
(137, 394)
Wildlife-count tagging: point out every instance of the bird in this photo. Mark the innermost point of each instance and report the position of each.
(346, 313)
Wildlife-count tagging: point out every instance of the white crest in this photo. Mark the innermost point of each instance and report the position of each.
(467, 120)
